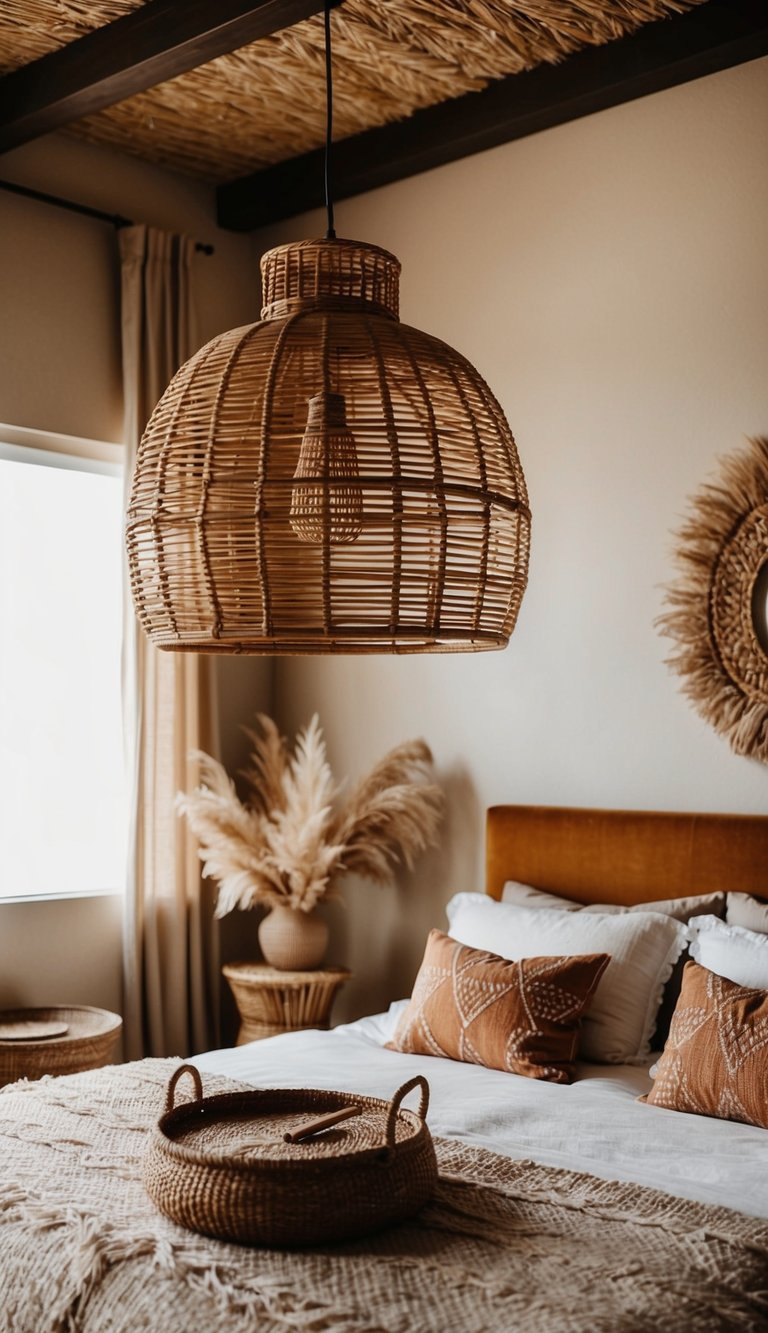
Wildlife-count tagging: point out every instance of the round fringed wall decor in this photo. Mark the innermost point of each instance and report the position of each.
(328, 480)
(718, 608)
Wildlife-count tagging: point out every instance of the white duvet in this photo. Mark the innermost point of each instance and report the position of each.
(595, 1124)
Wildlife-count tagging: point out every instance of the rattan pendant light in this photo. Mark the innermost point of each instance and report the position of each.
(328, 480)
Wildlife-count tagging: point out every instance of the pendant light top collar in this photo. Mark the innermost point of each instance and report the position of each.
(332, 274)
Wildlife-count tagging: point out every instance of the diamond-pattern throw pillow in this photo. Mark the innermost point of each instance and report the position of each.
(715, 1061)
(522, 1017)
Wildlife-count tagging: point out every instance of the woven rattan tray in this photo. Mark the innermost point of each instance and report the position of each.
(221, 1165)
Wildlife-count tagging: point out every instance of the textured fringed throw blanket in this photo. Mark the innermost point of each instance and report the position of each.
(505, 1245)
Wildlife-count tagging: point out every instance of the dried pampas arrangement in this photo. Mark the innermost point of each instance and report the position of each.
(286, 845)
(717, 611)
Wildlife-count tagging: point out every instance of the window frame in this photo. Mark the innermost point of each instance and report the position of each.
(24, 444)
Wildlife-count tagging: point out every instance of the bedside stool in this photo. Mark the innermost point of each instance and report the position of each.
(270, 1001)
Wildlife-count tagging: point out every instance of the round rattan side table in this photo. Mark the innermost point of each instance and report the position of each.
(81, 1038)
(271, 1002)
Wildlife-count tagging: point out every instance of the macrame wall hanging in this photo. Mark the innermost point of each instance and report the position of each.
(717, 612)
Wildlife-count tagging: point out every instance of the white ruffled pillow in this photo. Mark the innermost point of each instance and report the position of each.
(732, 952)
(643, 946)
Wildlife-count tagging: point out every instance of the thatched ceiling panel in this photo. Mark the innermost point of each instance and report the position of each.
(265, 103)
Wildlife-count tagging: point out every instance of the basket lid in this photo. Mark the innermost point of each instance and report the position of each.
(288, 1125)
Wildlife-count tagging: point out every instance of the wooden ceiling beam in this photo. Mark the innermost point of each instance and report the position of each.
(148, 46)
(660, 55)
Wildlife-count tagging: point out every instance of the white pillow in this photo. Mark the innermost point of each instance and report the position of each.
(733, 952)
(699, 904)
(643, 946)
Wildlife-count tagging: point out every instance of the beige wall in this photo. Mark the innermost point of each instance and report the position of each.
(63, 951)
(60, 371)
(610, 280)
(59, 281)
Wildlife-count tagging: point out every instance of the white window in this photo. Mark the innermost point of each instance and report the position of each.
(62, 789)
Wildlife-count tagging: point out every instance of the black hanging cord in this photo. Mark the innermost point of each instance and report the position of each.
(330, 234)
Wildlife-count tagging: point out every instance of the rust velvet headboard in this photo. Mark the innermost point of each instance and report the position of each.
(624, 856)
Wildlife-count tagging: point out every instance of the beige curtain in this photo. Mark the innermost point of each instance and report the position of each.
(170, 963)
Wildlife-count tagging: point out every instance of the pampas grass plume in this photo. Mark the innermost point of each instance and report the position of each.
(293, 836)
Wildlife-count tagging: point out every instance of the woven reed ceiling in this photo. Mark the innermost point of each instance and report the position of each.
(265, 103)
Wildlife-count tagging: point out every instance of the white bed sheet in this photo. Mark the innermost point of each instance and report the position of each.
(595, 1124)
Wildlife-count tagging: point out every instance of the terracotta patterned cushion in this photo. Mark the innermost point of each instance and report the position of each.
(715, 1061)
(682, 909)
(521, 1017)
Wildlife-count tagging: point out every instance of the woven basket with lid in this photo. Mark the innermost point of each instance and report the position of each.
(87, 1041)
(329, 479)
(221, 1165)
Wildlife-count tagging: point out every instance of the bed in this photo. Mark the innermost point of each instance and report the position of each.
(574, 1207)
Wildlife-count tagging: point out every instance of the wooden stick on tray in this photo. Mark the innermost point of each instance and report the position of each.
(322, 1122)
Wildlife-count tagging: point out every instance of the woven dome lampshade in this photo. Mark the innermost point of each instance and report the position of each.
(328, 480)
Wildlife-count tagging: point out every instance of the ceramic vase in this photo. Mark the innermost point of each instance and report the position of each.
(293, 941)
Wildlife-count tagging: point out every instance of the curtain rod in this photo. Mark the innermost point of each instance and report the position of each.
(115, 219)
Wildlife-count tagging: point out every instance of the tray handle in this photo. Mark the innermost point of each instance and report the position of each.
(394, 1106)
(170, 1096)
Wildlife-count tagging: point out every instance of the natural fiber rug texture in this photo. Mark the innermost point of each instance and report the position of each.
(505, 1245)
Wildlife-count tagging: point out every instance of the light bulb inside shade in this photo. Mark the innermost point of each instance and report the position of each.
(327, 501)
